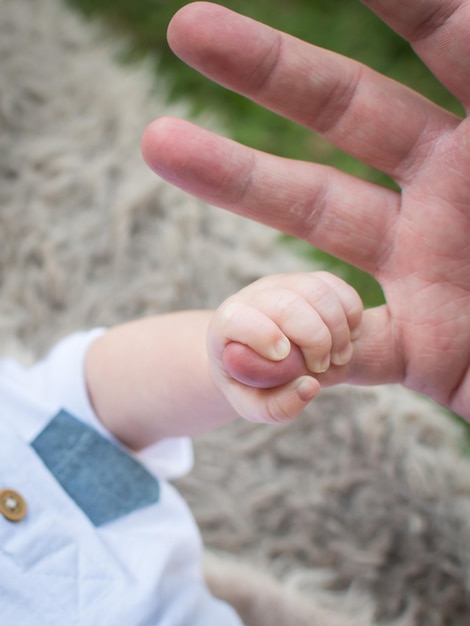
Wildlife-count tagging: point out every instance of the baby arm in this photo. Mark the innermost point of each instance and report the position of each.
(267, 342)
(150, 379)
(189, 372)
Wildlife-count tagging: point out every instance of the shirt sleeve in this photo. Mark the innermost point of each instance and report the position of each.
(59, 380)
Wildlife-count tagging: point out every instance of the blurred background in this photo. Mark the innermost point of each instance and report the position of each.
(345, 26)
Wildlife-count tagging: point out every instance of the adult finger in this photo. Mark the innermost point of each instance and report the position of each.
(248, 367)
(377, 359)
(364, 113)
(438, 31)
(347, 217)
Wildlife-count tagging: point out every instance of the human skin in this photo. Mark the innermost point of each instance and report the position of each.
(414, 241)
(305, 323)
(166, 375)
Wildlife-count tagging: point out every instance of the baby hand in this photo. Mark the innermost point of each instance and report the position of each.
(267, 341)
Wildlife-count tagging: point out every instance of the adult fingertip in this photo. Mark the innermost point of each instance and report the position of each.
(188, 24)
(154, 137)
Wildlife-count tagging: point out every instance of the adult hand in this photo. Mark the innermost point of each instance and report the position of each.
(415, 242)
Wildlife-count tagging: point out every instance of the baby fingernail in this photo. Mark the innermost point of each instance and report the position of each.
(281, 348)
(305, 390)
(323, 365)
(343, 356)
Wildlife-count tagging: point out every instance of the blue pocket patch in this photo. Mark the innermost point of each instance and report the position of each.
(103, 480)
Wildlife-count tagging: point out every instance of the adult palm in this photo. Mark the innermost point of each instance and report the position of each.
(415, 241)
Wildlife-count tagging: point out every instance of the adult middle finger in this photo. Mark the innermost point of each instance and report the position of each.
(373, 118)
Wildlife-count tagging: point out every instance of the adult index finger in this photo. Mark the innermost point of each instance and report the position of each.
(347, 217)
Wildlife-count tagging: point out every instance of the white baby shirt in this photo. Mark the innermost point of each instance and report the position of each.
(106, 540)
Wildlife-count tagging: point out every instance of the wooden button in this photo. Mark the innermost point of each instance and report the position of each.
(12, 505)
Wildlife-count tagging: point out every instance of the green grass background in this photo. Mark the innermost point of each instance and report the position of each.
(345, 26)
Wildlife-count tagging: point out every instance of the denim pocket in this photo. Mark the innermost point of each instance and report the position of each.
(102, 479)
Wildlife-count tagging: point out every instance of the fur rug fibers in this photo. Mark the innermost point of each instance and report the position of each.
(356, 513)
